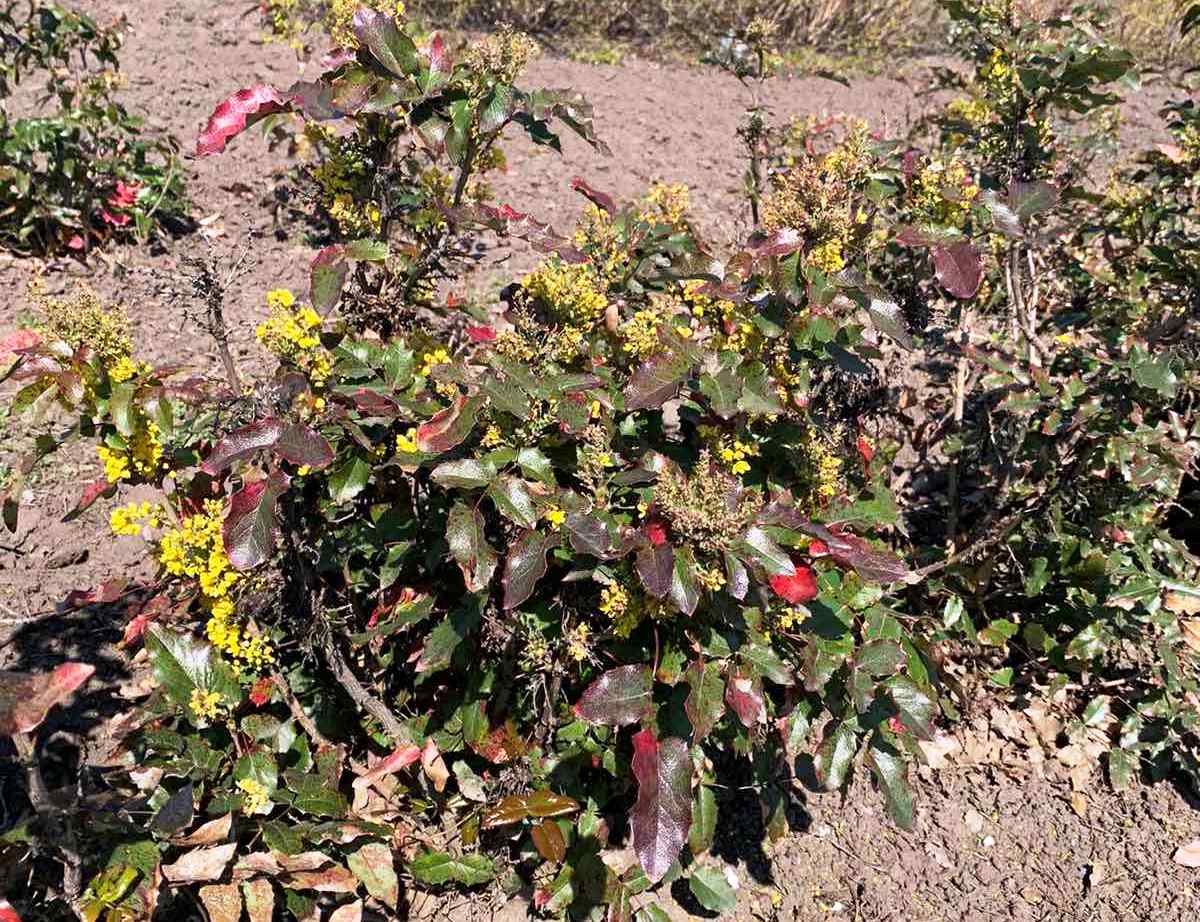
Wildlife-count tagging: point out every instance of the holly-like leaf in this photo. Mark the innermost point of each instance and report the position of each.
(744, 695)
(470, 547)
(443, 868)
(184, 664)
(620, 696)
(25, 699)
(656, 381)
(304, 446)
(242, 443)
(514, 500)
(388, 45)
(766, 663)
(764, 550)
(249, 528)
(327, 277)
(588, 535)
(449, 428)
(704, 820)
(835, 755)
(881, 658)
(662, 816)
(548, 840)
(469, 473)
(372, 864)
(915, 708)
(542, 804)
(524, 566)
(200, 864)
(685, 591)
(656, 567)
(705, 704)
(260, 899)
(959, 268)
(236, 114)
(891, 773)
(712, 890)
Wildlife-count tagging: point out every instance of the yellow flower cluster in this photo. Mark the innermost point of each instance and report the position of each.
(576, 640)
(125, 368)
(974, 112)
(821, 467)
(254, 796)
(205, 706)
(438, 356)
(667, 204)
(639, 334)
(293, 336)
(944, 192)
(735, 452)
(492, 437)
(142, 456)
(555, 517)
(131, 519)
(339, 18)
(597, 235)
(570, 291)
(83, 320)
(711, 579)
(406, 443)
(615, 604)
(828, 256)
(355, 219)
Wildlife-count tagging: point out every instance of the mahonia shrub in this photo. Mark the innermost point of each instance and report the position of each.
(537, 572)
(81, 170)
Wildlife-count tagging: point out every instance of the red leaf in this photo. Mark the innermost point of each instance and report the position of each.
(601, 200)
(448, 428)
(7, 913)
(656, 567)
(481, 334)
(621, 696)
(104, 594)
(662, 815)
(249, 529)
(959, 268)
(817, 548)
(798, 588)
(25, 699)
(260, 692)
(92, 492)
(242, 443)
(402, 758)
(656, 531)
(744, 695)
(236, 114)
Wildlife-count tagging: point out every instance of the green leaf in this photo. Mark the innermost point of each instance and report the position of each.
(514, 501)
(685, 591)
(891, 772)
(372, 865)
(184, 664)
(705, 703)
(524, 567)
(470, 547)
(916, 708)
(712, 890)
(443, 868)
(468, 473)
(774, 559)
(444, 639)
(1122, 768)
(722, 390)
(766, 663)
(656, 381)
(348, 479)
(881, 658)
(313, 795)
(704, 820)
(536, 465)
(391, 47)
(834, 756)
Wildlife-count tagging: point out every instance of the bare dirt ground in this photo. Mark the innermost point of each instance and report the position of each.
(997, 835)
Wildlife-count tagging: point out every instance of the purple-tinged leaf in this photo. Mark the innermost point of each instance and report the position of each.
(387, 44)
(548, 840)
(959, 269)
(915, 708)
(1031, 198)
(327, 277)
(469, 546)
(783, 242)
(601, 200)
(372, 403)
(506, 220)
(241, 444)
(927, 236)
(656, 567)
(872, 565)
(656, 381)
(92, 492)
(662, 816)
(525, 565)
(25, 698)
(588, 535)
(237, 113)
(685, 590)
(737, 577)
(440, 61)
(249, 529)
(705, 704)
(449, 428)
(744, 695)
(620, 697)
(303, 446)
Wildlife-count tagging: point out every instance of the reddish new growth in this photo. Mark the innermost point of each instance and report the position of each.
(798, 588)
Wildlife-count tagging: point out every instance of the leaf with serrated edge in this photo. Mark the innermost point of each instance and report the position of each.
(619, 697)
(662, 816)
(524, 566)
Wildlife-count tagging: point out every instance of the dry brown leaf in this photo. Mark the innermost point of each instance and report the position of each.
(202, 864)
(1182, 603)
(1072, 755)
(938, 750)
(210, 833)
(1190, 628)
(1079, 804)
(435, 766)
(257, 863)
(333, 879)
(351, 912)
(260, 900)
(1188, 855)
(223, 902)
(1009, 724)
(1048, 726)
